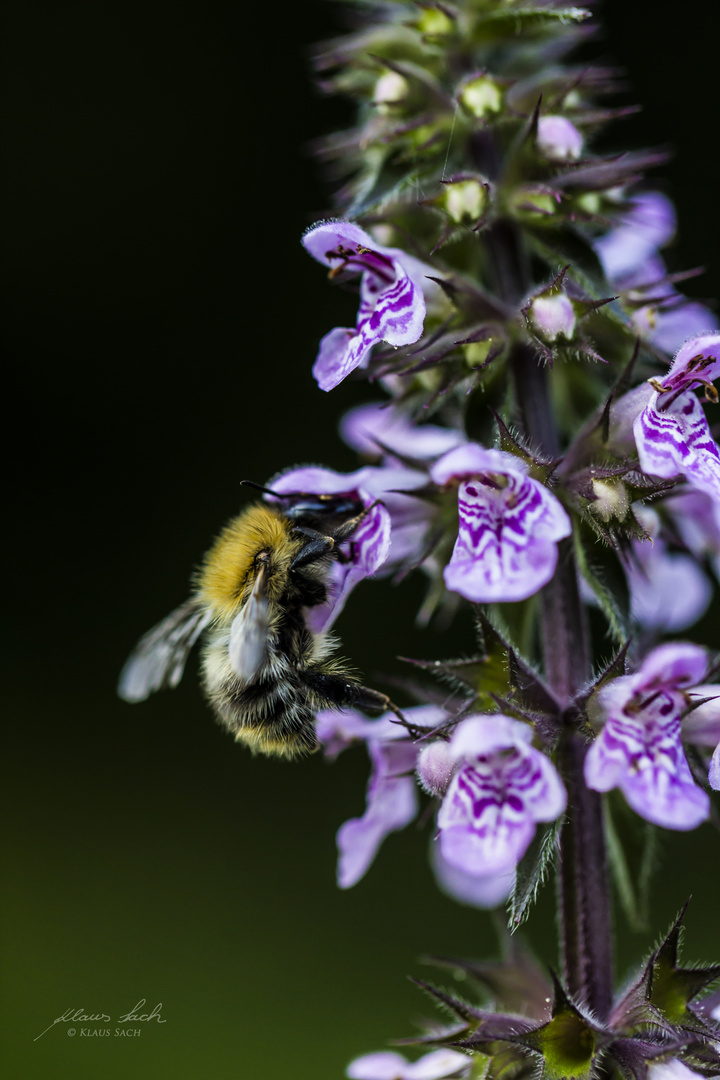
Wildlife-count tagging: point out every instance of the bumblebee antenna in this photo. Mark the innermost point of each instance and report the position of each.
(259, 487)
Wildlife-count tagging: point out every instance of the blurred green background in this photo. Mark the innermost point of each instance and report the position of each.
(160, 324)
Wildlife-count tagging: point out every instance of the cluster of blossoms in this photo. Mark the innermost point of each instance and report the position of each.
(512, 290)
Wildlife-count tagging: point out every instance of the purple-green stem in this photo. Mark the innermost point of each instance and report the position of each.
(583, 887)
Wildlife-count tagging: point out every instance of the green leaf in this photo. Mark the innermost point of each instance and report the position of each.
(632, 888)
(606, 598)
(532, 871)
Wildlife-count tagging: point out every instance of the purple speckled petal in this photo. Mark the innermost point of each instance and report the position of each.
(392, 803)
(676, 441)
(508, 529)
(639, 749)
(470, 459)
(645, 760)
(341, 351)
(370, 544)
(476, 890)
(698, 360)
(507, 539)
(392, 305)
(504, 786)
(666, 794)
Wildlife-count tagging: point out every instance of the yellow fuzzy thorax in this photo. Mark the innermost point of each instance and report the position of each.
(229, 570)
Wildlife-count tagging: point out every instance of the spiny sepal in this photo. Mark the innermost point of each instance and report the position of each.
(663, 994)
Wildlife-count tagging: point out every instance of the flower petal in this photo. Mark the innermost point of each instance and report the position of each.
(507, 539)
(646, 227)
(362, 426)
(436, 1065)
(698, 360)
(714, 774)
(702, 725)
(677, 441)
(501, 789)
(668, 592)
(392, 804)
(385, 1065)
(341, 351)
(392, 305)
(477, 890)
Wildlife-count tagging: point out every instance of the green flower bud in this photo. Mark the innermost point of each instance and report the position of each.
(434, 23)
(611, 501)
(464, 199)
(481, 97)
(535, 203)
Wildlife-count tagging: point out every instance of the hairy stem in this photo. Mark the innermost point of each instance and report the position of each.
(583, 888)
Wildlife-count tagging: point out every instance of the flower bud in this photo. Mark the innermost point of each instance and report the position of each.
(434, 23)
(612, 499)
(534, 202)
(552, 316)
(481, 97)
(558, 139)
(435, 767)
(391, 90)
(464, 200)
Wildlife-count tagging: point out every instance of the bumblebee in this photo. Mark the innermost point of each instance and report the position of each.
(264, 671)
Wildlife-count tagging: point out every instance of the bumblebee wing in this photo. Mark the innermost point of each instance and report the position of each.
(158, 660)
(249, 634)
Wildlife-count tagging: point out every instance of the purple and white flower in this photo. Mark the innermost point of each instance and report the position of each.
(387, 1065)
(509, 525)
(515, 774)
(639, 748)
(646, 227)
(370, 545)
(697, 521)
(370, 428)
(392, 798)
(502, 788)
(668, 590)
(392, 305)
(672, 433)
(629, 255)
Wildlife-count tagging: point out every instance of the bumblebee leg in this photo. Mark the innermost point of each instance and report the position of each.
(317, 546)
(348, 528)
(337, 690)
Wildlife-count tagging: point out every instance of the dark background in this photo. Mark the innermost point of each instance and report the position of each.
(161, 321)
